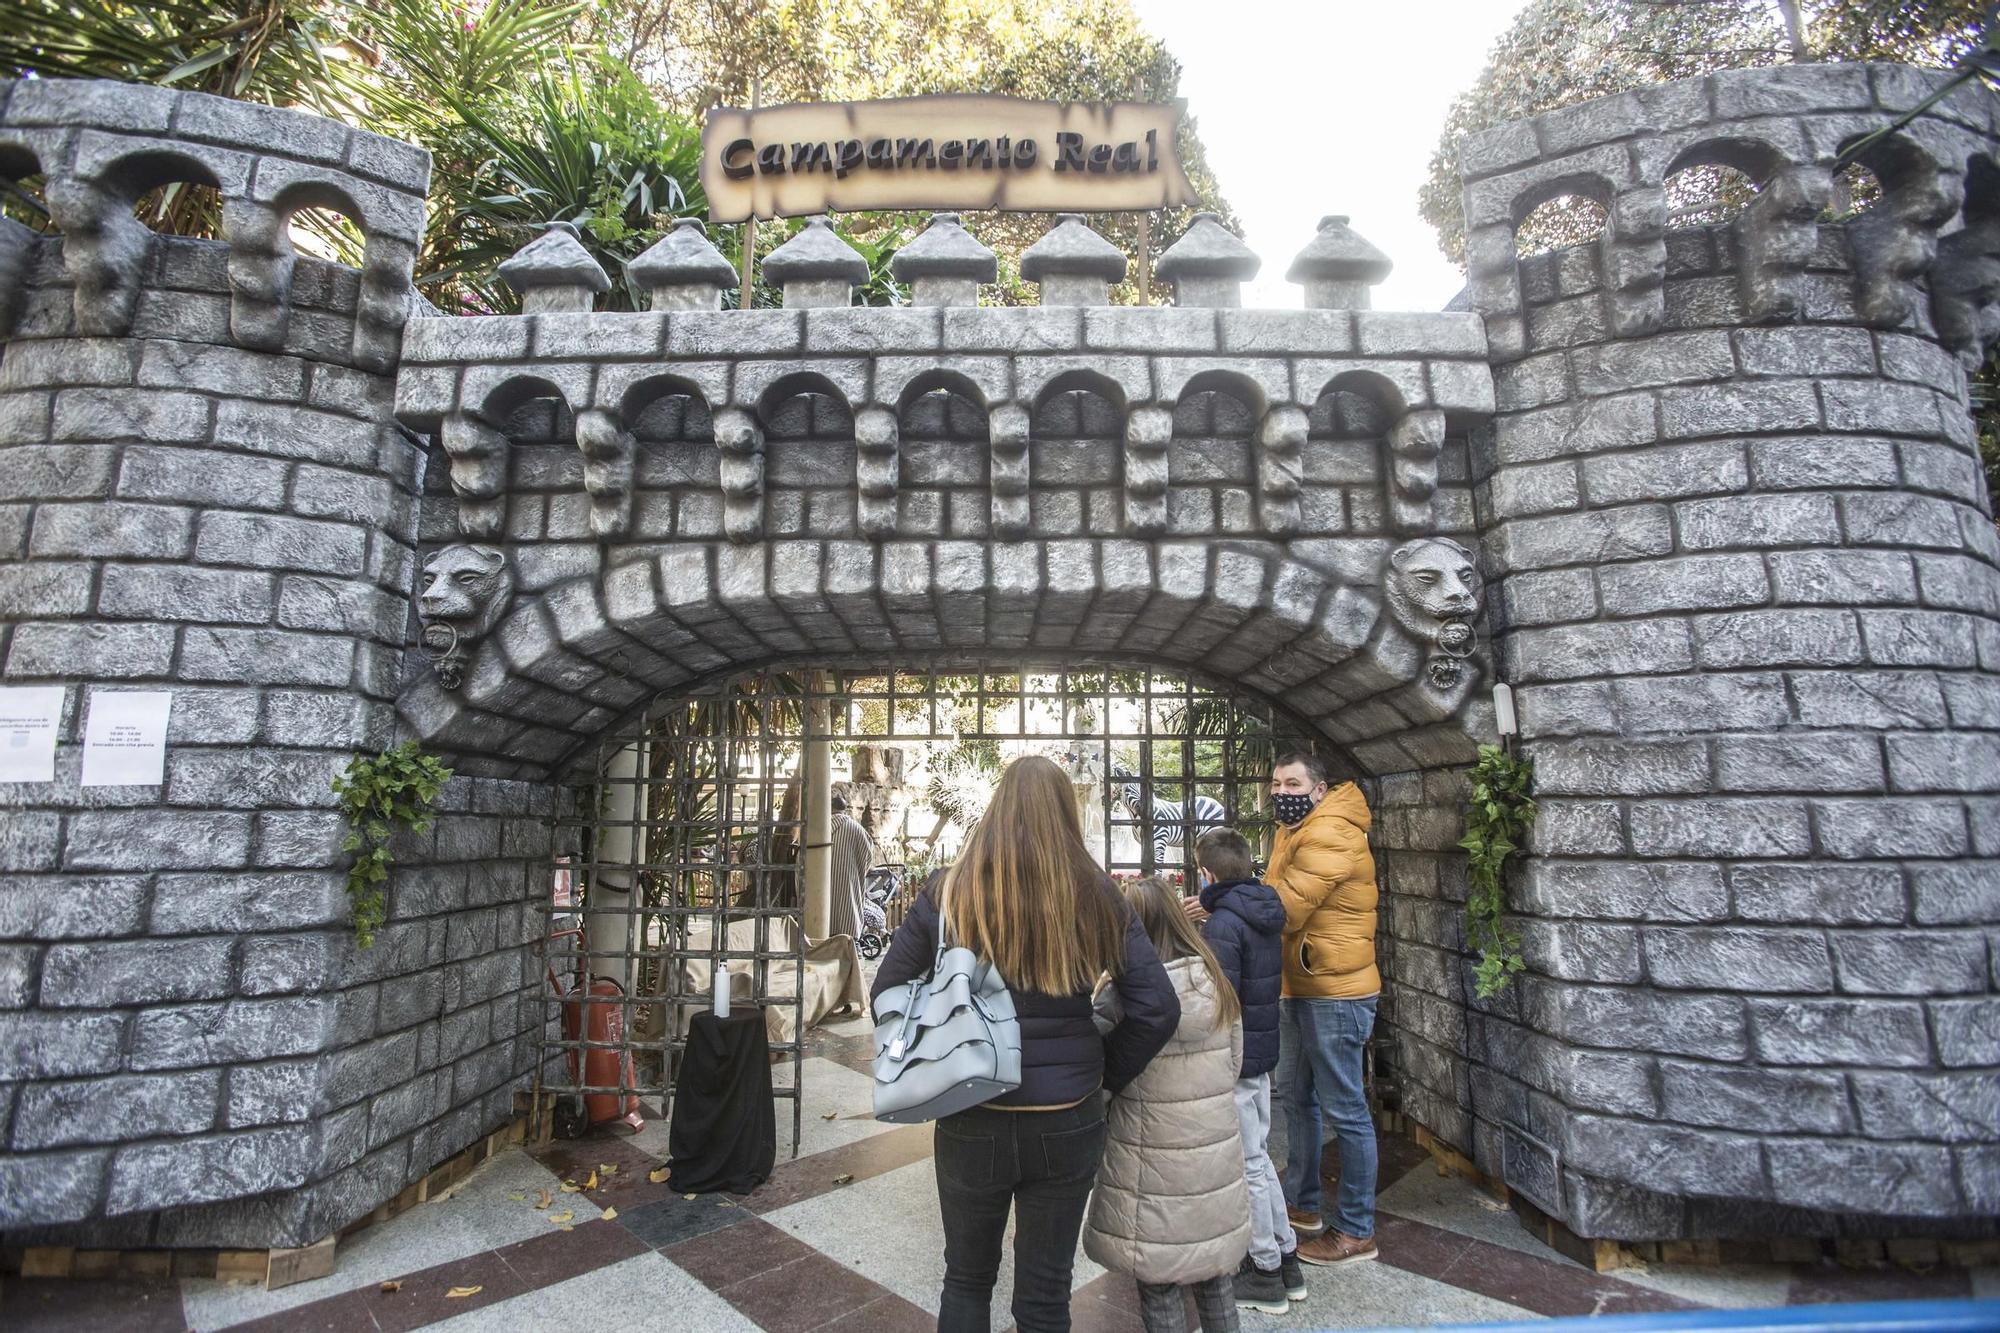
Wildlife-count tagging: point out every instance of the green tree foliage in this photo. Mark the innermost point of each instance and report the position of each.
(589, 112)
(1561, 52)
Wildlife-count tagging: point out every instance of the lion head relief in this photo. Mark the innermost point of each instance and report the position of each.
(466, 589)
(1432, 588)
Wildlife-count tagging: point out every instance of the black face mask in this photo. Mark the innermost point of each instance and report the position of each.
(1291, 808)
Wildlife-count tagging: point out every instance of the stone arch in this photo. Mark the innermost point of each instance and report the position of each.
(808, 423)
(1212, 462)
(945, 444)
(262, 257)
(19, 242)
(1076, 423)
(106, 248)
(1347, 467)
(677, 475)
(569, 658)
(513, 465)
(1893, 239)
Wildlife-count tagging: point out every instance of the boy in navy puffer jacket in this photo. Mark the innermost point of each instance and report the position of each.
(1244, 928)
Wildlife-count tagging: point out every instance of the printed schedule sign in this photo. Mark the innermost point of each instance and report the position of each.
(30, 716)
(125, 738)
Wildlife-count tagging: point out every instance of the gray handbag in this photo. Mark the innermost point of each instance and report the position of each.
(946, 1041)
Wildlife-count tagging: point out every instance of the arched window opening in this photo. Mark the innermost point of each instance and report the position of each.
(1345, 476)
(678, 476)
(1076, 458)
(1557, 224)
(945, 464)
(809, 470)
(1211, 465)
(181, 208)
(329, 234)
(545, 496)
(1706, 194)
(21, 182)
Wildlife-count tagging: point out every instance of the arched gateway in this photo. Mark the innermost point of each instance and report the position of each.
(1708, 499)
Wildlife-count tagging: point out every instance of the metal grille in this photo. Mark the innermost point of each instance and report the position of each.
(699, 808)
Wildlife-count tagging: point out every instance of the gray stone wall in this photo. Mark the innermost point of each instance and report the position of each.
(1745, 568)
(1740, 569)
(205, 493)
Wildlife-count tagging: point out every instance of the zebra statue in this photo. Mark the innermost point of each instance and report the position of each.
(1172, 823)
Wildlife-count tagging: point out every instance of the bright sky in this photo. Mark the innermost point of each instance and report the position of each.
(1310, 107)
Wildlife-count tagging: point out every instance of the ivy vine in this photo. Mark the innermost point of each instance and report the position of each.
(381, 794)
(1497, 817)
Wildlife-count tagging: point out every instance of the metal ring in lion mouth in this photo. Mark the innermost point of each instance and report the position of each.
(439, 639)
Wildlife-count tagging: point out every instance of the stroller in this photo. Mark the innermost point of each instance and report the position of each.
(881, 885)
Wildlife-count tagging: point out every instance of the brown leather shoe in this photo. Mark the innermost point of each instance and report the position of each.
(1303, 1222)
(1335, 1247)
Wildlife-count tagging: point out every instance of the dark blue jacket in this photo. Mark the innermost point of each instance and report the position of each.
(1245, 929)
(1063, 1059)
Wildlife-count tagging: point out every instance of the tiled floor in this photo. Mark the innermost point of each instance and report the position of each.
(846, 1237)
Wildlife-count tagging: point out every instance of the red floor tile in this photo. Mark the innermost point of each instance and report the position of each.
(59, 1305)
(802, 1295)
(723, 1258)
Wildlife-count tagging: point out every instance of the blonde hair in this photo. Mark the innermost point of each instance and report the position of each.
(1161, 916)
(1026, 895)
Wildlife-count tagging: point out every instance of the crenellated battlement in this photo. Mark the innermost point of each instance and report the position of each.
(101, 146)
(1785, 128)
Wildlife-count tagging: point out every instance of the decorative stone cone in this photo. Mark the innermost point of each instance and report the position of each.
(945, 264)
(554, 272)
(1073, 264)
(815, 256)
(1208, 265)
(1337, 267)
(682, 270)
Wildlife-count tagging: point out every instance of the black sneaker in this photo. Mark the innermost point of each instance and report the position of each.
(1260, 1289)
(1293, 1274)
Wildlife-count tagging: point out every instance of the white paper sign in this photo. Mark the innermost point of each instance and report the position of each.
(30, 716)
(125, 739)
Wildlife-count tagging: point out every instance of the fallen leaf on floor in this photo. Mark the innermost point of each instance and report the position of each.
(517, 1197)
(560, 1218)
(659, 1177)
(843, 1180)
(725, 1204)
(609, 1214)
(591, 1184)
(543, 1198)
(829, 1115)
(688, 1197)
(390, 1286)
(571, 1187)
(460, 1293)
(607, 1168)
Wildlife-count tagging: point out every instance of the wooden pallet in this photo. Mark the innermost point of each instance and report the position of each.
(273, 1268)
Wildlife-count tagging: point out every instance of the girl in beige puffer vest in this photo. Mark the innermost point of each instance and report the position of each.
(1171, 1207)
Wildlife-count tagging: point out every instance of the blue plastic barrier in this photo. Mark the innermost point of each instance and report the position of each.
(1871, 1317)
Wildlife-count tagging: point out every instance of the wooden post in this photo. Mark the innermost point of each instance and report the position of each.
(1145, 258)
(750, 223)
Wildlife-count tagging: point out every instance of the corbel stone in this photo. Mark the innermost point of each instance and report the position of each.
(609, 452)
(1965, 287)
(1493, 274)
(1149, 430)
(261, 261)
(1281, 441)
(741, 442)
(383, 303)
(1414, 444)
(1007, 432)
(1776, 237)
(479, 452)
(1895, 243)
(105, 251)
(876, 438)
(1634, 251)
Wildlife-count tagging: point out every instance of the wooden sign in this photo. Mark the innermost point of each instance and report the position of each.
(946, 152)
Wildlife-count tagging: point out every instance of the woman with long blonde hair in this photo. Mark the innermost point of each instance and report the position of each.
(1026, 896)
(1172, 1209)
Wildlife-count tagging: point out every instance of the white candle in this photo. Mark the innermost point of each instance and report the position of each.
(1503, 710)
(721, 989)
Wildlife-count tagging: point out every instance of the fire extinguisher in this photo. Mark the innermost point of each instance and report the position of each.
(597, 1066)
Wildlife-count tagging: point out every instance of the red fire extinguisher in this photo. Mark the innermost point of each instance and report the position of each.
(604, 1028)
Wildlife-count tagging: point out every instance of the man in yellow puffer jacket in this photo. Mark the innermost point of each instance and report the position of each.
(1325, 876)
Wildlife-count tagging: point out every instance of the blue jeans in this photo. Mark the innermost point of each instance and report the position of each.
(1327, 1080)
